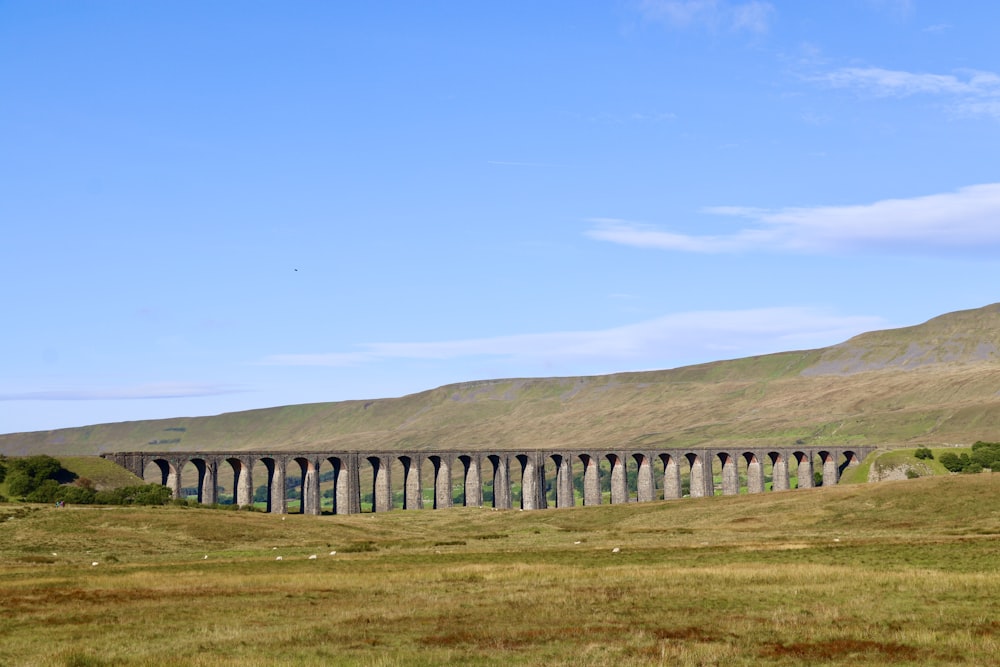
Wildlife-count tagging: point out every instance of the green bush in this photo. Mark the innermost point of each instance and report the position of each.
(952, 462)
(26, 475)
(987, 454)
(924, 453)
(976, 463)
(144, 494)
(77, 495)
(46, 492)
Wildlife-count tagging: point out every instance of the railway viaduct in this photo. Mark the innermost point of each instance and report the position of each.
(698, 467)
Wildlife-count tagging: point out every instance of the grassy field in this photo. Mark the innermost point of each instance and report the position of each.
(904, 573)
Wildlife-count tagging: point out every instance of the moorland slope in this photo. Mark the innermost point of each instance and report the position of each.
(934, 383)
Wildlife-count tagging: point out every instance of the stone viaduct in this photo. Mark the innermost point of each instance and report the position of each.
(699, 468)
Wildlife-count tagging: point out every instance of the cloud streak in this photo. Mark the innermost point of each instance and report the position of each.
(145, 391)
(974, 92)
(964, 220)
(670, 340)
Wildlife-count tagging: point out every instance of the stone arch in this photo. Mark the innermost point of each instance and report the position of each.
(558, 482)
(696, 466)
(619, 478)
(207, 476)
(410, 486)
(308, 485)
(591, 479)
(161, 470)
(472, 484)
(381, 483)
(501, 482)
(273, 472)
(851, 459)
(804, 469)
(242, 470)
(779, 471)
(440, 468)
(755, 472)
(730, 474)
(645, 481)
(532, 471)
(671, 476)
(830, 469)
(346, 496)
(327, 475)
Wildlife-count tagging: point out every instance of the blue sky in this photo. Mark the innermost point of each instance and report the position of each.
(217, 206)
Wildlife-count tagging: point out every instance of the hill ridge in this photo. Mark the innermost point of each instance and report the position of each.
(930, 383)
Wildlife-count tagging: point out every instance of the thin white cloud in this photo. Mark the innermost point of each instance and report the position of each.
(751, 16)
(669, 340)
(145, 391)
(966, 219)
(900, 83)
(968, 92)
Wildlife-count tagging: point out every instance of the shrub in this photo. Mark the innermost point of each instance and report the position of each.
(142, 494)
(912, 474)
(46, 492)
(924, 453)
(26, 475)
(987, 454)
(951, 461)
(77, 495)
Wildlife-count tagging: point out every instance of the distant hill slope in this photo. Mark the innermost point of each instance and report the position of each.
(933, 383)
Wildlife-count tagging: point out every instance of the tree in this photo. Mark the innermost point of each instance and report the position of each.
(951, 462)
(26, 475)
(924, 453)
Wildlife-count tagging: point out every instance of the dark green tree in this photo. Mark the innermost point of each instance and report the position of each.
(26, 475)
(951, 461)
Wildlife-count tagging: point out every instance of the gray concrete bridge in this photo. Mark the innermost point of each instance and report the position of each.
(658, 474)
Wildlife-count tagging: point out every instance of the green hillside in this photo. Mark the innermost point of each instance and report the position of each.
(935, 383)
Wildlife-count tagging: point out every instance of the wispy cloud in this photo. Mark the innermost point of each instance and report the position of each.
(971, 92)
(751, 16)
(901, 83)
(144, 391)
(962, 220)
(669, 340)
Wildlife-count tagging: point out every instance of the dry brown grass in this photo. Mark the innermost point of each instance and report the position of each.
(896, 573)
